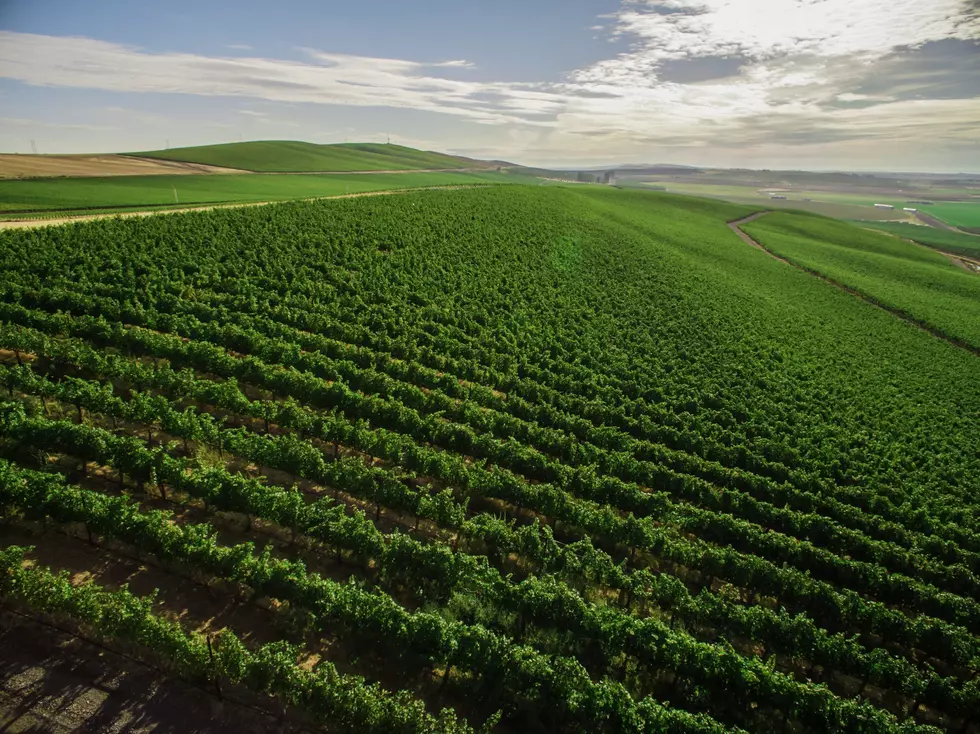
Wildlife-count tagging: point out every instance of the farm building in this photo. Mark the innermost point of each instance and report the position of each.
(884, 206)
(776, 196)
(910, 209)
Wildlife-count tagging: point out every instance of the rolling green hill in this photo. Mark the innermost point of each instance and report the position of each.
(286, 156)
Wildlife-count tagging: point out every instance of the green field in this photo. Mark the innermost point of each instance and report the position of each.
(840, 206)
(941, 239)
(965, 215)
(762, 193)
(526, 458)
(923, 284)
(137, 191)
(297, 156)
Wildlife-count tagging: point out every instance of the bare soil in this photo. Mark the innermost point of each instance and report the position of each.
(53, 681)
(46, 166)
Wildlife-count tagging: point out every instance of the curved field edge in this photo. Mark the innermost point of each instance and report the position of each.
(920, 285)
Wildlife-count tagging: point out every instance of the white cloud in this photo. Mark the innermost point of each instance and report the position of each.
(796, 58)
(459, 63)
(761, 29)
(327, 78)
(239, 46)
(23, 122)
(791, 73)
(851, 97)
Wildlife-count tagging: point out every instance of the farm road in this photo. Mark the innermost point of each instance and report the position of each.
(736, 227)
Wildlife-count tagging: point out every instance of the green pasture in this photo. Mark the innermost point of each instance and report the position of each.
(965, 215)
(298, 156)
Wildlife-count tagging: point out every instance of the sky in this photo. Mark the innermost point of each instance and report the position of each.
(889, 85)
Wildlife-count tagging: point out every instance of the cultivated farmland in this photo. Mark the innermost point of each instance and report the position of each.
(512, 458)
(276, 156)
(964, 215)
(923, 284)
(81, 194)
(962, 244)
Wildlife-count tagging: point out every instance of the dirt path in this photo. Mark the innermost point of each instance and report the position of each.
(54, 221)
(736, 228)
(968, 264)
(736, 225)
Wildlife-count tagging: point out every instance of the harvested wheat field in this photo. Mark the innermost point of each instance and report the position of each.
(13, 165)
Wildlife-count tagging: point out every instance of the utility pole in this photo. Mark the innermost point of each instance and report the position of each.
(33, 146)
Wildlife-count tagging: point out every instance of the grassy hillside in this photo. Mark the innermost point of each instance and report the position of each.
(921, 283)
(297, 156)
(572, 456)
(941, 239)
(136, 191)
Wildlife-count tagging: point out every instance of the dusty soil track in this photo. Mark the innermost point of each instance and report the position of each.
(736, 225)
(968, 264)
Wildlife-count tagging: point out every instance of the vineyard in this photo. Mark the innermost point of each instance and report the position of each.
(530, 459)
(923, 285)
